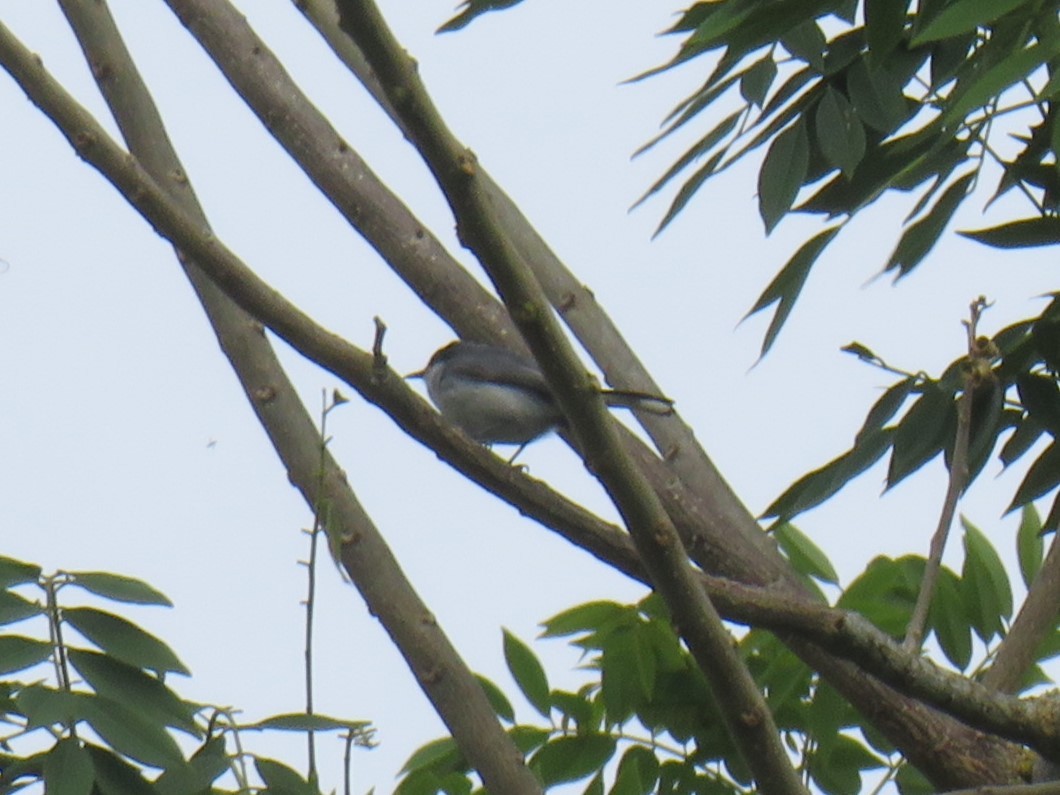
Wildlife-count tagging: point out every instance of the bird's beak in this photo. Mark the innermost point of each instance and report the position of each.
(417, 374)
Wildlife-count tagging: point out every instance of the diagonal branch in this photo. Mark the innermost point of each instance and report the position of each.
(656, 539)
(1035, 621)
(576, 304)
(442, 674)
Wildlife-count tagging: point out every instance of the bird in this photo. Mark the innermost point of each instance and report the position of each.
(497, 396)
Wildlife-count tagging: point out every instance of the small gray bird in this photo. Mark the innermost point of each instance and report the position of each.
(499, 397)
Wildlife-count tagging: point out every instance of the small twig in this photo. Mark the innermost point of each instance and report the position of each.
(347, 762)
(379, 363)
(55, 630)
(977, 354)
(319, 512)
(62, 669)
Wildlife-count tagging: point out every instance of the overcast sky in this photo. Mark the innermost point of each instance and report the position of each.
(129, 446)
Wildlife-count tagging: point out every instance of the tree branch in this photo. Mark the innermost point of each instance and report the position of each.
(656, 539)
(444, 677)
(579, 309)
(1035, 620)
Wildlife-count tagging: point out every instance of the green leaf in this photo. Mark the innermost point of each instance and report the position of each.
(1027, 233)
(442, 752)
(206, 765)
(68, 769)
(877, 98)
(638, 770)
(123, 639)
(839, 133)
(15, 572)
(912, 782)
(472, 9)
(278, 776)
(1028, 431)
(528, 738)
(46, 706)
(948, 56)
(136, 690)
(1029, 546)
(922, 432)
(985, 584)
(814, 488)
(115, 776)
(782, 174)
(963, 16)
(755, 83)
(15, 608)
(901, 163)
(500, 703)
(948, 617)
(884, 23)
(528, 673)
(806, 42)
(18, 653)
(1040, 397)
(119, 588)
(887, 406)
(627, 674)
(921, 237)
(588, 617)
(572, 758)
(1041, 478)
(788, 283)
(837, 764)
(804, 555)
(991, 83)
(301, 722)
(689, 188)
(885, 592)
(130, 733)
(697, 150)
(575, 707)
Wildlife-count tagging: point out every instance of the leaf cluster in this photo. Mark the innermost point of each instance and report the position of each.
(1015, 409)
(103, 722)
(854, 100)
(647, 721)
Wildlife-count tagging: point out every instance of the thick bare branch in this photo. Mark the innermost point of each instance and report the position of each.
(586, 318)
(743, 706)
(1034, 622)
(441, 673)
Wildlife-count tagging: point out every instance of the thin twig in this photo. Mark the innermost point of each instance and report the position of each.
(379, 361)
(914, 636)
(311, 584)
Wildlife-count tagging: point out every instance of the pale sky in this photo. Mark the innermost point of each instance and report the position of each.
(129, 446)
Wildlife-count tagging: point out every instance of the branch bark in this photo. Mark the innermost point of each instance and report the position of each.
(1034, 622)
(448, 683)
(742, 705)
